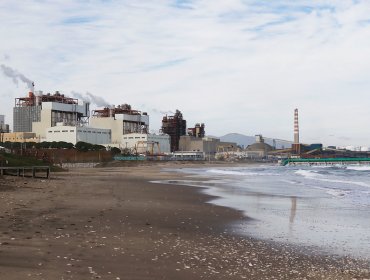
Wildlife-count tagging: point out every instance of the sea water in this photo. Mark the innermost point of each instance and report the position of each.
(317, 206)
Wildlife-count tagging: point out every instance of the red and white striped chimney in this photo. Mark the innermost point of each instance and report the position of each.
(296, 127)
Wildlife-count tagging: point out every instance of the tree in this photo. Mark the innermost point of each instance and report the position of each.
(115, 151)
(83, 146)
(98, 148)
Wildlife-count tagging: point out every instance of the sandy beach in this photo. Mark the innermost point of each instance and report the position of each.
(112, 223)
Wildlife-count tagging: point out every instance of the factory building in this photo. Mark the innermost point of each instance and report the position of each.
(74, 134)
(259, 149)
(147, 143)
(4, 128)
(175, 127)
(197, 131)
(208, 145)
(189, 155)
(196, 141)
(120, 120)
(37, 112)
(19, 137)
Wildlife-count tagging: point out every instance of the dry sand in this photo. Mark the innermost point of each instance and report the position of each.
(111, 223)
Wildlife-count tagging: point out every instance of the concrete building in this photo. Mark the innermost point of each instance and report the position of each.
(20, 137)
(147, 143)
(259, 149)
(197, 131)
(39, 111)
(120, 120)
(4, 128)
(74, 134)
(208, 145)
(192, 155)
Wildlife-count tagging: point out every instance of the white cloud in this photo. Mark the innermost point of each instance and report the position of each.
(238, 66)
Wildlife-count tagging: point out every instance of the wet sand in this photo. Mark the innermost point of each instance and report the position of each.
(112, 223)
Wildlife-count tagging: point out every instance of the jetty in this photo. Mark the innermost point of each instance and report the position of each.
(324, 161)
(26, 171)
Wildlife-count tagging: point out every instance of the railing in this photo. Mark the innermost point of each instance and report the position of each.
(324, 161)
(25, 171)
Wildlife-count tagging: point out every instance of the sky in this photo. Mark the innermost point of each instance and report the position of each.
(239, 66)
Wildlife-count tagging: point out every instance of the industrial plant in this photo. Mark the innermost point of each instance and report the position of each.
(40, 117)
(56, 117)
(175, 127)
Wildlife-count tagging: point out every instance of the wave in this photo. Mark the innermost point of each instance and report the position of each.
(359, 167)
(337, 193)
(308, 173)
(313, 175)
(240, 173)
(225, 172)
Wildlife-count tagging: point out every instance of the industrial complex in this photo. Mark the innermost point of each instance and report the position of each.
(40, 117)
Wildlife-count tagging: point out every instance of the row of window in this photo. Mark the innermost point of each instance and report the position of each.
(96, 132)
(134, 137)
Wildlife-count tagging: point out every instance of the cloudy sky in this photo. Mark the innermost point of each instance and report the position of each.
(236, 65)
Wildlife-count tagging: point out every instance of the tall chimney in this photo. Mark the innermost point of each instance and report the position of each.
(296, 146)
(296, 127)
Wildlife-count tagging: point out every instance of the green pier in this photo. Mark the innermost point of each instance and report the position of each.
(324, 161)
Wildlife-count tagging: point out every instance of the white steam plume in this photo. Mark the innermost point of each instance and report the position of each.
(89, 97)
(16, 76)
(162, 112)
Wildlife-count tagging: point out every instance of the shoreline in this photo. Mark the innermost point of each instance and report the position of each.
(205, 184)
(113, 223)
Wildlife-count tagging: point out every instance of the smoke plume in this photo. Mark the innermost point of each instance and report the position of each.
(16, 76)
(162, 112)
(89, 97)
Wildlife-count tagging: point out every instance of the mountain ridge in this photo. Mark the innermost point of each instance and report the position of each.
(245, 140)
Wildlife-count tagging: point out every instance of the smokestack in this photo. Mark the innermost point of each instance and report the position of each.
(296, 146)
(296, 127)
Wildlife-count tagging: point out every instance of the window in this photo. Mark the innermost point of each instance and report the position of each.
(64, 130)
(71, 131)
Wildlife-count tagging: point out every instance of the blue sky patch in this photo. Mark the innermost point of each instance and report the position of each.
(78, 20)
(183, 4)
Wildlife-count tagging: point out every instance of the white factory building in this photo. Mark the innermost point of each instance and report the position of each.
(37, 112)
(74, 134)
(120, 120)
(55, 117)
(147, 143)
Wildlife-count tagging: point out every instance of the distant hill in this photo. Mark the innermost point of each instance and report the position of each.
(244, 140)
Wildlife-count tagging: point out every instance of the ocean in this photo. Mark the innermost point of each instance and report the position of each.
(319, 207)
